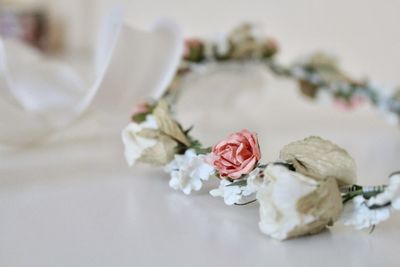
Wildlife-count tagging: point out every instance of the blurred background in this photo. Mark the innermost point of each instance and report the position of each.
(363, 33)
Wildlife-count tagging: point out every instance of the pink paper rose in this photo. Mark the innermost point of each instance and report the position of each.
(236, 155)
(141, 108)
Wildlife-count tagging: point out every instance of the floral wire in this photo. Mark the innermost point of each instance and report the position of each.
(246, 203)
(372, 228)
(374, 207)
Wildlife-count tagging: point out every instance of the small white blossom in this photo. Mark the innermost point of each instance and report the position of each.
(314, 78)
(231, 194)
(235, 193)
(324, 96)
(188, 171)
(392, 118)
(389, 116)
(359, 212)
(390, 194)
(299, 72)
(135, 144)
(384, 102)
(254, 181)
(359, 215)
(222, 45)
(257, 32)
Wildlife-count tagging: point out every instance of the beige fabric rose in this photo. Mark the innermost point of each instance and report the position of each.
(320, 159)
(292, 204)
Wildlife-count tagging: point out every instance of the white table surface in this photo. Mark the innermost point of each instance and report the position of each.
(72, 201)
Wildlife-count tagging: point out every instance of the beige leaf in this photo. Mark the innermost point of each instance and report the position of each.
(161, 153)
(326, 199)
(167, 124)
(320, 159)
(149, 133)
(327, 68)
(325, 203)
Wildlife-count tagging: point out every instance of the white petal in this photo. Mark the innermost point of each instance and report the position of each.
(203, 171)
(216, 192)
(187, 190)
(149, 123)
(254, 182)
(357, 214)
(396, 204)
(196, 184)
(231, 199)
(174, 183)
(391, 192)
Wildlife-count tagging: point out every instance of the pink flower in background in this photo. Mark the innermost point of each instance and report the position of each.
(272, 44)
(237, 155)
(355, 101)
(190, 44)
(141, 107)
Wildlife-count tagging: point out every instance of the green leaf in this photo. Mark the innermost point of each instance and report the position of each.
(203, 150)
(140, 117)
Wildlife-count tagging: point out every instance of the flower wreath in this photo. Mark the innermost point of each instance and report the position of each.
(310, 186)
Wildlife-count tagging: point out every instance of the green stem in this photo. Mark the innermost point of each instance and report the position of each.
(348, 193)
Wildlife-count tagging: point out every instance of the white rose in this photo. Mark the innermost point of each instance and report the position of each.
(292, 204)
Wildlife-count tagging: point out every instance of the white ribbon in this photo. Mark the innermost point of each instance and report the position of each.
(39, 96)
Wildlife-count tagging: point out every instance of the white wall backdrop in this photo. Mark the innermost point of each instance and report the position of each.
(364, 33)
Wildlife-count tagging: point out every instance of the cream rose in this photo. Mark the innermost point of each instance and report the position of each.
(292, 204)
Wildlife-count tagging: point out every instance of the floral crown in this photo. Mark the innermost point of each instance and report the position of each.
(311, 185)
